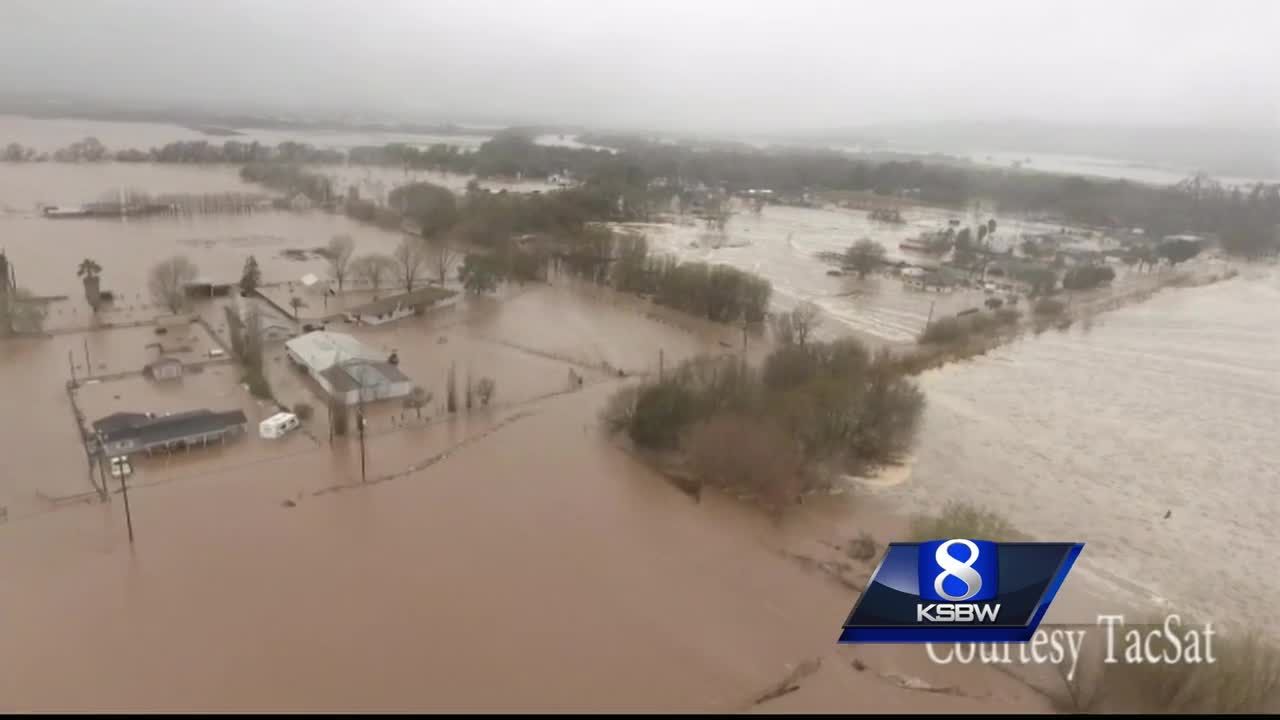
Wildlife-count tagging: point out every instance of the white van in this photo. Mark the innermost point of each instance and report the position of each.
(277, 425)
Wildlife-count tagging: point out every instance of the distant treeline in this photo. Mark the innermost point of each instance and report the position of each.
(1245, 218)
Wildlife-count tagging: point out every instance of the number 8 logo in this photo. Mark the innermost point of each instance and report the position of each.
(962, 571)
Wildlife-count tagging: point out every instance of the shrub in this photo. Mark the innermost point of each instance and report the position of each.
(662, 412)
(619, 411)
(945, 330)
(1049, 308)
(961, 520)
(862, 548)
(747, 454)
(303, 410)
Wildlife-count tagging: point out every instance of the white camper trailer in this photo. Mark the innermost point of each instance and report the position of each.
(277, 425)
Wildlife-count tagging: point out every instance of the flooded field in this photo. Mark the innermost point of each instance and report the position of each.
(47, 135)
(1166, 406)
(782, 242)
(266, 574)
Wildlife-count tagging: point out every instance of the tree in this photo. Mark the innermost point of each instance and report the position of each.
(373, 270)
(991, 226)
(451, 390)
(168, 282)
(1179, 250)
(479, 274)
(982, 233)
(432, 207)
(304, 411)
(418, 398)
(469, 392)
(297, 304)
(20, 312)
(964, 240)
(441, 258)
(409, 255)
(1087, 277)
(804, 318)
(865, 256)
(89, 271)
(338, 253)
(485, 389)
(251, 278)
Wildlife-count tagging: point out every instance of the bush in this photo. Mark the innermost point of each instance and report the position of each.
(257, 382)
(961, 520)
(1087, 277)
(662, 412)
(303, 410)
(945, 330)
(747, 454)
(1049, 308)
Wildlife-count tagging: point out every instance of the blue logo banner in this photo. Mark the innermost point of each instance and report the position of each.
(959, 590)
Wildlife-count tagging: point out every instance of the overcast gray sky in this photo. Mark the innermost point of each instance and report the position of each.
(694, 65)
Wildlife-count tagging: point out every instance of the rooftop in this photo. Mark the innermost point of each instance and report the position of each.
(321, 350)
(422, 296)
(356, 374)
(148, 431)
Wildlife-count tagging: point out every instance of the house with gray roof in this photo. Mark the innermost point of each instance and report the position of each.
(346, 369)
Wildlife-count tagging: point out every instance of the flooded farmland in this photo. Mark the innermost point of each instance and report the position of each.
(515, 532)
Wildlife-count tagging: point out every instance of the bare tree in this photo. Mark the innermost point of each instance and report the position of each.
(410, 255)
(485, 389)
(339, 254)
(419, 398)
(441, 258)
(803, 319)
(373, 270)
(168, 282)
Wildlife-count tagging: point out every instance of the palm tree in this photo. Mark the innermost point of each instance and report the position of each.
(88, 268)
(89, 271)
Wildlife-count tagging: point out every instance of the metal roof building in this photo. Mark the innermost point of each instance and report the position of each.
(346, 369)
(127, 433)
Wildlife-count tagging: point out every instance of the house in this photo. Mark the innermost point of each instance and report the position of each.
(127, 433)
(400, 306)
(165, 368)
(346, 369)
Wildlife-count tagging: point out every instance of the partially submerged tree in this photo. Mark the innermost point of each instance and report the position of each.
(168, 282)
(451, 390)
(865, 255)
(479, 274)
(418, 398)
(409, 255)
(20, 312)
(338, 254)
(485, 389)
(297, 304)
(88, 272)
(251, 277)
(441, 258)
(373, 270)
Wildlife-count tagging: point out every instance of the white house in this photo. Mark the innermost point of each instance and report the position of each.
(346, 369)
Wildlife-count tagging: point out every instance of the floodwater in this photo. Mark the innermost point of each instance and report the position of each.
(1165, 406)
(527, 564)
(47, 135)
(781, 244)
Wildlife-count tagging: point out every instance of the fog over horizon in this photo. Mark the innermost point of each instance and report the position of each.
(706, 66)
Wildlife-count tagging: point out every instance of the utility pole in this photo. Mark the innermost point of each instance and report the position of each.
(929, 322)
(360, 420)
(660, 359)
(126, 469)
(88, 367)
(71, 363)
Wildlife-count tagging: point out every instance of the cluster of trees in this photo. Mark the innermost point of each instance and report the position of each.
(960, 328)
(1087, 277)
(289, 178)
(776, 431)
(717, 292)
(90, 149)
